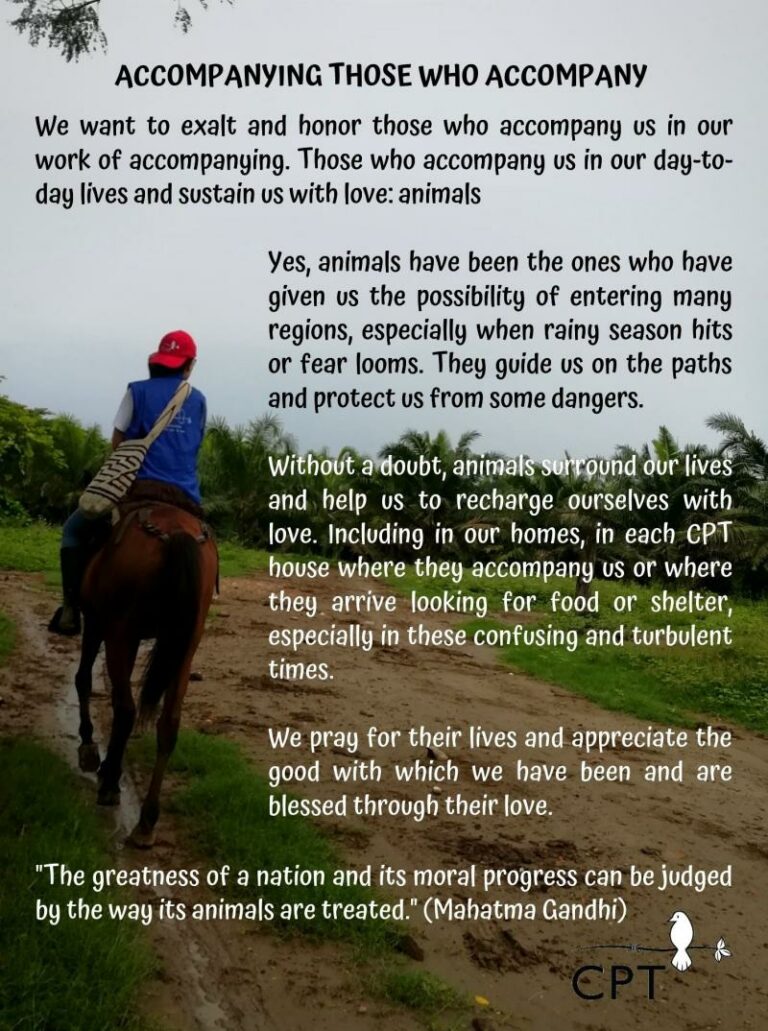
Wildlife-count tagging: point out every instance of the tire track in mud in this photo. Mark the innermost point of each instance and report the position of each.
(195, 958)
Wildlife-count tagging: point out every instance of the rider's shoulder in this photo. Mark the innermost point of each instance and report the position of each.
(141, 385)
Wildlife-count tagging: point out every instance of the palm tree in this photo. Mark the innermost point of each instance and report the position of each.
(661, 471)
(749, 484)
(560, 487)
(442, 479)
(235, 476)
(745, 449)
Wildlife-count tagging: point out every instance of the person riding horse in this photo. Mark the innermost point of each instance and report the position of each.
(152, 577)
(170, 461)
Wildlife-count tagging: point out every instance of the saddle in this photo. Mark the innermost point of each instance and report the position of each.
(146, 497)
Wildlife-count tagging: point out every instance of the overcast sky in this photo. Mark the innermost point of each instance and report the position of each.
(88, 292)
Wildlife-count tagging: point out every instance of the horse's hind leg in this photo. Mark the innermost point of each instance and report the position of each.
(87, 753)
(121, 652)
(143, 834)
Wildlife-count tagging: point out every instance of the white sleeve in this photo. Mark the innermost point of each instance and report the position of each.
(124, 412)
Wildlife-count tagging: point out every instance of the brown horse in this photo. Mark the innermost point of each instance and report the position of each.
(154, 579)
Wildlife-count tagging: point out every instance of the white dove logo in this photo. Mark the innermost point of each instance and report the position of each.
(681, 937)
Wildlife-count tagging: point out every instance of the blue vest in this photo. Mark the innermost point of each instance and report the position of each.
(173, 456)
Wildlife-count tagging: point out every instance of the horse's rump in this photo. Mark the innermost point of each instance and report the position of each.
(128, 576)
(177, 606)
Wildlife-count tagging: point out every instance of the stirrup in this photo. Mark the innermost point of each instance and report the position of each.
(70, 628)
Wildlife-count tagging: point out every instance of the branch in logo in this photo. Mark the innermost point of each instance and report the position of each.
(681, 936)
(613, 980)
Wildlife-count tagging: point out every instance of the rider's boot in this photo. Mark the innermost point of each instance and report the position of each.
(66, 619)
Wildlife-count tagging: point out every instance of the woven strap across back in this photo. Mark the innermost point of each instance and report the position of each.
(119, 471)
(168, 413)
(112, 482)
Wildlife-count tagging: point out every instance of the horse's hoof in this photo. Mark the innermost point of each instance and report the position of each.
(108, 795)
(88, 758)
(139, 838)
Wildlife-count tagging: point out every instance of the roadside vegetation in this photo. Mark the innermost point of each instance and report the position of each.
(45, 461)
(28, 546)
(78, 975)
(216, 778)
(669, 684)
(211, 775)
(32, 546)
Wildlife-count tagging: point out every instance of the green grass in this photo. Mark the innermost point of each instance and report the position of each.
(236, 560)
(7, 637)
(30, 549)
(420, 991)
(34, 548)
(669, 684)
(216, 778)
(221, 804)
(77, 976)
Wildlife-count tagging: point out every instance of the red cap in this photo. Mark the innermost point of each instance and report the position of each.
(176, 348)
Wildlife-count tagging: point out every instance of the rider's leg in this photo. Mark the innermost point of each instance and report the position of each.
(74, 540)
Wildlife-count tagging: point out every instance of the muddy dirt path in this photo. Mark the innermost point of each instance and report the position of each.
(253, 980)
(212, 977)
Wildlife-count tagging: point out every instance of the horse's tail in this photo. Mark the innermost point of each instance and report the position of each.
(178, 607)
